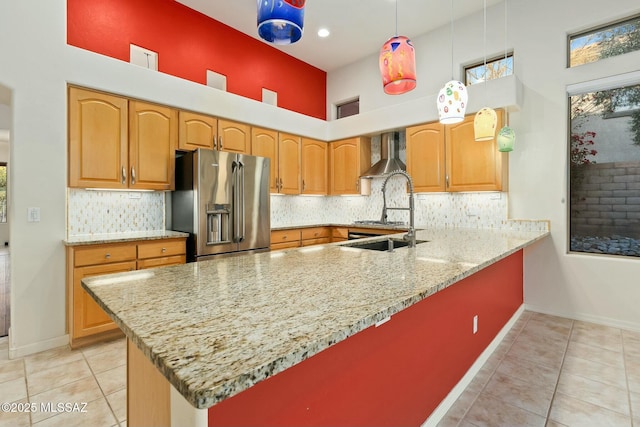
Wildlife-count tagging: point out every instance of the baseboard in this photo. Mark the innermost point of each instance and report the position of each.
(37, 347)
(446, 404)
(600, 320)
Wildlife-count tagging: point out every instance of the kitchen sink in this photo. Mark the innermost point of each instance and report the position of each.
(381, 245)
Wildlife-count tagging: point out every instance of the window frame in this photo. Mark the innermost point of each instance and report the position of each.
(490, 60)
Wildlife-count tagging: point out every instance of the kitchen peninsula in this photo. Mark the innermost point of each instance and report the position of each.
(355, 336)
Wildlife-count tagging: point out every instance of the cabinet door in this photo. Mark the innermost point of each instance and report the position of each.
(426, 157)
(474, 165)
(98, 140)
(289, 148)
(196, 131)
(264, 143)
(88, 317)
(152, 144)
(234, 137)
(349, 158)
(315, 162)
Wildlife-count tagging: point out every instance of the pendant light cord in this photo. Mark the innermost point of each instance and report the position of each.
(396, 18)
(485, 49)
(452, 40)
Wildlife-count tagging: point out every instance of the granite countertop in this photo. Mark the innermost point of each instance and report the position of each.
(124, 237)
(389, 226)
(215, 328)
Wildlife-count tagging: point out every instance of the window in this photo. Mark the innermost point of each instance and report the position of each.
(349, 108)
(604, 172)
(3, 192)
(603, 42)
(496, 68)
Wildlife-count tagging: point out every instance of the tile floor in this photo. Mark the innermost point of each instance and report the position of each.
(548, 371)
(551, 371)
(94, 375)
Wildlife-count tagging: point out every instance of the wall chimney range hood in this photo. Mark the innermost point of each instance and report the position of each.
(389, 160)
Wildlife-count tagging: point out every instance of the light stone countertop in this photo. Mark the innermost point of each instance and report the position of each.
(215, 328)
(123, 237)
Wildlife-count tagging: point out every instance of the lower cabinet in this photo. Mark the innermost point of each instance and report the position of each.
(87, 322)
(308, 236)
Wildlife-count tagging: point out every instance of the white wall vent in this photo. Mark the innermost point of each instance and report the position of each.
(143, 57)
(216, 80)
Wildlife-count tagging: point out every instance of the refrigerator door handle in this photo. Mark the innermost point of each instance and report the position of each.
(241, 228)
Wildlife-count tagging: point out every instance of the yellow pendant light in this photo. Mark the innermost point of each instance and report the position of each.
(486, 120)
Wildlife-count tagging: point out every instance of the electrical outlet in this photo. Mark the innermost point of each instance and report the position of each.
(33, 214)
(135, 195)
(475, 324)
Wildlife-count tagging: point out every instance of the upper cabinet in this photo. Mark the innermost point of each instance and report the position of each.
(98, 140)
(474, 165)
(289, 150)
(264, 143)
(426, 157)
(315, 166)
(196, 131)
(234, 137)
(448, 158)
(349, 158)
(117, 143)
(153, 133)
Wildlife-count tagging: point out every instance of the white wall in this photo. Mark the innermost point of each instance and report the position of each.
(602, 289)
(37, 65)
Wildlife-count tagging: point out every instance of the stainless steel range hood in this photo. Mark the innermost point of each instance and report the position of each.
(389, 161)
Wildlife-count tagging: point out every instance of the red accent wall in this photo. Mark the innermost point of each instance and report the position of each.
(392, 375)
(188, 43)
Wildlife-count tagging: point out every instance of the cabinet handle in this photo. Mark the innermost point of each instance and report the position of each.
(220, 142)
(284, 237)
(358, 184)
(215, 144)
(107, 255)
(446, 180)
(124, 175)
(164, 250)
(133, 175)
(303, 185)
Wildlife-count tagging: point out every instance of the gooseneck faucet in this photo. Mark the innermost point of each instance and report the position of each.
(411, 234)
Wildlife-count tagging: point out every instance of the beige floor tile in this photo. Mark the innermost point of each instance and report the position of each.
(520, 393)
(113, 380)
(465, 423)
(15, 419)
(458, 410)
(597, 335)
(97, 413)
(574, 412)
(560, 324)
(111, 357)
(46, 379)
(546, 354)
(11, 370)
(594, 392)
(118, 403)
(634, 400)
(120, 343)
(607, 374)
(51, 358)
(595, 354)
(487, 411)
(84, 390)
(530, 371)
(631, 342)
(551, 423)
(13, 390)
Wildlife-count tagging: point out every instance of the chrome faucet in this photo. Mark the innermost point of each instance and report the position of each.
(411, 234)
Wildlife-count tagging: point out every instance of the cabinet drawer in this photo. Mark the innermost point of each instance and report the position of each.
(162, 261)
(340, 233)
(103, 254)
(315, 233)
(161, 248)
(318, 241)
(281, 236)
(285, 245)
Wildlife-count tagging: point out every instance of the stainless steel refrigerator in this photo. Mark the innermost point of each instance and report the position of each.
(222, 200)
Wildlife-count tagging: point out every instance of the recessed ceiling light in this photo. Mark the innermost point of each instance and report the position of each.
(323, 32)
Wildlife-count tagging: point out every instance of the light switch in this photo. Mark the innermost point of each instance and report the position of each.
(33, 214)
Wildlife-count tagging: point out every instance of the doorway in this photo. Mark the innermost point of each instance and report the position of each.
(5, 279)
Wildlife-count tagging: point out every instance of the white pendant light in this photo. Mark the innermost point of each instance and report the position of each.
(486, 120)
(452, 98)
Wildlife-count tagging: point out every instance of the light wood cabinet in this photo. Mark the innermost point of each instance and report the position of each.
(448, 158)
(349, 158)
(426, 157)
(234, 137)
(284, 151)
(315, 236)
(87, 322)
(196, 131)
(284, 239)
(98, 140)
(474, 165)
(116, 143)
(153, 133)
(315, 167)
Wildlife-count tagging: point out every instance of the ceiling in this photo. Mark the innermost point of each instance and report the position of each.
(358, 27)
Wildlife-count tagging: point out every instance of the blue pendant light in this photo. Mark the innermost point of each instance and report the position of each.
(280, 21)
